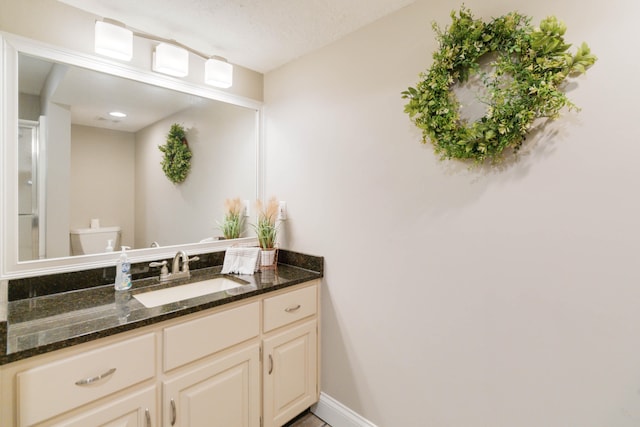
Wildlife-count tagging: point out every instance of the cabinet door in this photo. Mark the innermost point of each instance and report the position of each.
(290, 373)
(221, 392)
(134, 410)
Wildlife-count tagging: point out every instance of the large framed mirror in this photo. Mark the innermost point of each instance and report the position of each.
(71, 171)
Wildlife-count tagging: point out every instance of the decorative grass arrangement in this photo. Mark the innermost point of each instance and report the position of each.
(266, 227)
(233, 222)
(176, 162)
(525, 84)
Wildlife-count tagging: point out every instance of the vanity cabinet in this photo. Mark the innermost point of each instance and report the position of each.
(60, 385)
(218, 391)
(290, 381)
(248, 363)
(290, 368)
(221, 392)
(136, 409)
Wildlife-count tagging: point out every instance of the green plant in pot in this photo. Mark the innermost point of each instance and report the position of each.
(267, 230)
(233, 222)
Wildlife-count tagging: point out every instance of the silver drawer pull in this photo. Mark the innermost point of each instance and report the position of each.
(270, 365)
(292, 309)
(174, 415)
(92, 380)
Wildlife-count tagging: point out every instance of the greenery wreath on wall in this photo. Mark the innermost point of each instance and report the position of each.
(524, 85)
(176, 162)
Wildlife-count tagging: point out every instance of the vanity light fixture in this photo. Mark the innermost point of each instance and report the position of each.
(171, 60)
(113, 41)
(218, 72)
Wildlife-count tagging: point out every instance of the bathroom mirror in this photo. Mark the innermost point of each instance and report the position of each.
(70, 167)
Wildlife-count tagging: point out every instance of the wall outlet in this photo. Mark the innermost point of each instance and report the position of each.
(282, 211)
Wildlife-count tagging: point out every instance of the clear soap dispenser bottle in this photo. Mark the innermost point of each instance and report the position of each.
(123, 274)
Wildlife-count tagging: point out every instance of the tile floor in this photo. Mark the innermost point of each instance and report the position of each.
(307, 420)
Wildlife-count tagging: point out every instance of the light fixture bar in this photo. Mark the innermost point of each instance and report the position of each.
(113, 41)
(169, 57)
(171, 60)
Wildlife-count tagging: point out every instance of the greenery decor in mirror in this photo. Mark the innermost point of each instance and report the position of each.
(233, 222)
(176, 162)
(524, 84)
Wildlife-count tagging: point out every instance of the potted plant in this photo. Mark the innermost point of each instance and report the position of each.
(233, 222)
(267, 230)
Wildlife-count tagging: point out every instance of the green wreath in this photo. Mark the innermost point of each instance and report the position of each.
(525, 83)
(176, 162)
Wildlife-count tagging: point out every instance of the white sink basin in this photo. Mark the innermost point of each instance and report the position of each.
(183, 292)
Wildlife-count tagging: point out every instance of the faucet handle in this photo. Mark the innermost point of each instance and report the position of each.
(164, 272)
(158, 264)
(185, 263)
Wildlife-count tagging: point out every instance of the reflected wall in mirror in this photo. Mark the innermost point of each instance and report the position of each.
(84, 165)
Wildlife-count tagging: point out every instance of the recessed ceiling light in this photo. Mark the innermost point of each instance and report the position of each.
(117, 114)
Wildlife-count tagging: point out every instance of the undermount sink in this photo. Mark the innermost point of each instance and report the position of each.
(183, 292)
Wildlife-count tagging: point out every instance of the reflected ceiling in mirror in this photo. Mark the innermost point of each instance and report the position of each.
(92, 95)
(80, 167)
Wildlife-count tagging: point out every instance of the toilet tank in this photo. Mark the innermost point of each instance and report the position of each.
(86, 241)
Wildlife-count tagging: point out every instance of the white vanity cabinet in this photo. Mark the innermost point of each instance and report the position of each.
(218, 391)
(290, 368)
(137, 409)
(221, 392)
(249, 363)
(109, 382)
(290, 381)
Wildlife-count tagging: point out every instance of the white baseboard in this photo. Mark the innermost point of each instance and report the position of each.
(337, 415)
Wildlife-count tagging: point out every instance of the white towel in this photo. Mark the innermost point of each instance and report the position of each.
(241, 260)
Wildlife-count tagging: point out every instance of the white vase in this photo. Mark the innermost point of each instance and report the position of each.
(267, 257)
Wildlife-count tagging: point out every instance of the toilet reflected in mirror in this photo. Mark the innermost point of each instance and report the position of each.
(86, 241)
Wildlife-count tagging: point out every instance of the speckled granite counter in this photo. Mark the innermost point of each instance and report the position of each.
(46, 323)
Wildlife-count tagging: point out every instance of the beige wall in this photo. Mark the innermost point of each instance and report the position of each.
(222, 140)
(102, 179)
(454, 297)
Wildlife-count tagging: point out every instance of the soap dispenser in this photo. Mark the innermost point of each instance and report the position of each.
(123, 275)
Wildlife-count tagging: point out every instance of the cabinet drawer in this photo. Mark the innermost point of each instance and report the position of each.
(201, 337)
(59, 386)
(289, 307)
(134, 409)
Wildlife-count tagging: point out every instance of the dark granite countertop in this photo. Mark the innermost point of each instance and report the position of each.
(46, 323)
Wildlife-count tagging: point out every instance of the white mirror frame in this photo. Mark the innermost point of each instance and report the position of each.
(10, 46)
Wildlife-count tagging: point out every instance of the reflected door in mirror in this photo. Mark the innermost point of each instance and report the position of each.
(29, 170)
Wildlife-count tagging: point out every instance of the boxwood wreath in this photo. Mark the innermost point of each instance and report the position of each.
(176, 162)
(524, 84)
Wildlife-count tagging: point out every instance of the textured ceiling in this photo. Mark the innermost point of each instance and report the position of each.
(257, 34)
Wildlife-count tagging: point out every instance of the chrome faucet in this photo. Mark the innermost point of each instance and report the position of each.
(177, 272)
